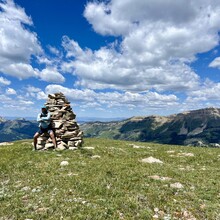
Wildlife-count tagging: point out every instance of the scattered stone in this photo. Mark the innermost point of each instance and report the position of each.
(167, 217)
(95, 156)
(155, 177)
(136, 146)
(121, 215)
(192, 188)
(80, 200)
(156, 209)
(26, 188)
(185, 154)
(170, 151)
(73, 148)
(72, 174)
(61, 146)
(184, 214)
(36, 190)
(48, 145)
(6, 143)
(64, 163)
(89, 148)
(176, 185)
(151, 160)
(202, 206)
(63, 121)
(108, 186)
(43, 209)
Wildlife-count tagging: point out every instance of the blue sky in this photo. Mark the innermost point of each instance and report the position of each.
(116, 58)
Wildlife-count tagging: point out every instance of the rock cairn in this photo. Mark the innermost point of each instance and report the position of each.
(66, 129)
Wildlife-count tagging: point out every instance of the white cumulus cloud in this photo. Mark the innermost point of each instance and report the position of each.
(106, 68)
(51, 75)
(215, 63)
(135, 100)
(17, 43)
(4, 81)
(209, 91)
(10, 91)
(159, 40)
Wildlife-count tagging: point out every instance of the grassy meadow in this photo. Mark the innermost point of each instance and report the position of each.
(108, 180)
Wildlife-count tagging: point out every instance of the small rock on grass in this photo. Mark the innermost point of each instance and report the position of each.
(151, 160)
(176, 185)
(136, 146)
(155, 177)
(73, 148)
(186, 154)
(89, 148)
(6, 143)
(95, 157)
(64, 163)
(72, 174)
(26, 188)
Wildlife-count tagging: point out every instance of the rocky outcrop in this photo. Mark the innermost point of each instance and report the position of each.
(67, 132)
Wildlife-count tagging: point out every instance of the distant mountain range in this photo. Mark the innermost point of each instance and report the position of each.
(18, 129)
(79, 119)
(198, 127)
(13, 128)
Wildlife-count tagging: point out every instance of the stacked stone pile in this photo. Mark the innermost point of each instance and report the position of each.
(66, 129)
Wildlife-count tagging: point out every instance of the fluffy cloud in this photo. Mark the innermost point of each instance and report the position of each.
(17, 43)
(19, 103)
(54, 50)
(215, 63)
(20, 70)
(159, 40)
(51, 75)
(115, 99)
(109, 24)
(4, 81)
(32, 89)
(10, 91)
(208, 92)
(106, 68)
(35, 92)
(119, 17)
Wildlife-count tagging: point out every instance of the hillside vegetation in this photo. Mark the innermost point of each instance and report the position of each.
(18, 129)
(198, 127)
(109, 179)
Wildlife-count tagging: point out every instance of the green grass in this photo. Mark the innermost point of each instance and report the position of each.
(115, 186)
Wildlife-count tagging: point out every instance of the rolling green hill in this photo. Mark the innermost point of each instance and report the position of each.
(198, 127)
(17, 129)
(110, 179)
(194, 128)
